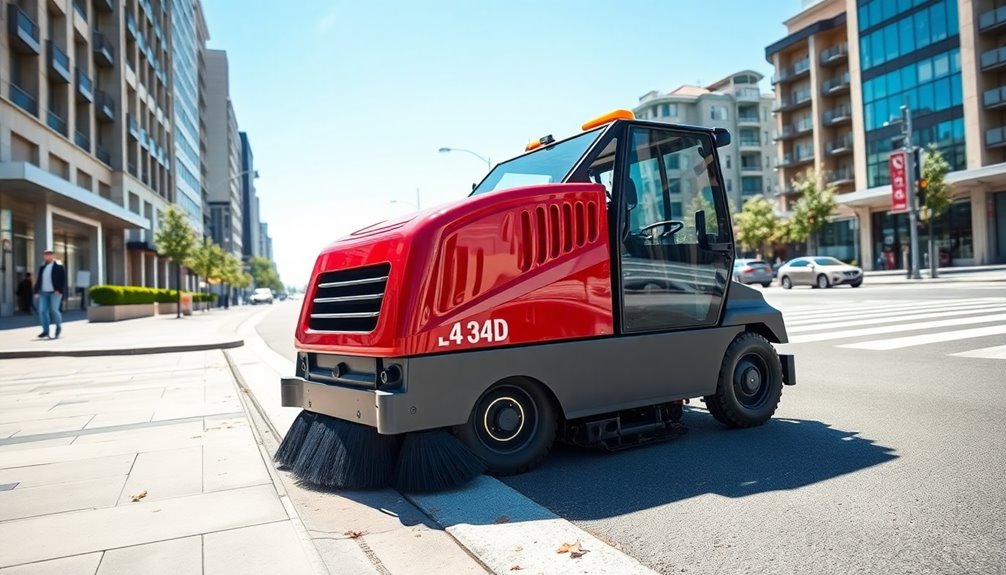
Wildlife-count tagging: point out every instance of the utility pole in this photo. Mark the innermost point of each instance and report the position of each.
(913, 212)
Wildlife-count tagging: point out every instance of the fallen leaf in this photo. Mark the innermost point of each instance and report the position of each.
(139, 496)
(574, 549)
(518, 548)
(353, 534)
(502, 519)
(516, 568)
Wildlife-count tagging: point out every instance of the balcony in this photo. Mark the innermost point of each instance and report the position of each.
(787, 191)
(996, 137)
(23, 99)
(747, 95)
(747, 120)
(105, 105)
(837, 115)
(80, 7)
(841, 176)
(793, 102)
(132, 127)
(835, 55)
(24, 34)
(795, 71)
(103, 154)
(746, 144)
(81, 139)
(994, 98)
(790, 160)
(59, 64)
(106, 6)
(994, 59)
(993, 20)
(55, 122)
(749, 168)
(836, 85)
(839, 146)
(131, 167)
(796, 129)
(85, 89)
(104, 53)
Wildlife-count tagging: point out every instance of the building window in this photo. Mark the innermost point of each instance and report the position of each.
(717, 113)
(906, 34)
(728, 161)
(730, 184)
(948, 136)
(929, 85)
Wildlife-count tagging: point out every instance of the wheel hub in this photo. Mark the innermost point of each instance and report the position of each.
(504, 419)
(751, 380)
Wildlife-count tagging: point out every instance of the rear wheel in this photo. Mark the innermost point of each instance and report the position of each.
(511, 428)
(786, 282)
(822, 281)
(750, 383)
(765, 284)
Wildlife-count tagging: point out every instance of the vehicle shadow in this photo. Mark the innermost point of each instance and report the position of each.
(22, 320)
(784, 454)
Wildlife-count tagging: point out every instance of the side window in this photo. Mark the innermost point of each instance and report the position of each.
(602, 169)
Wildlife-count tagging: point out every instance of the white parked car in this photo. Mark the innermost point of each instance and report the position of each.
(261, 295)
(820, 272)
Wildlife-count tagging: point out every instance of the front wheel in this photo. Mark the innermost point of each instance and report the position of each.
(786, 282)
(822, 281)
(512, 427)
(856, 284)
(750, 383)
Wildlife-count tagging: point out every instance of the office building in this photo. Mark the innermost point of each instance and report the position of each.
(737, 104)
(249, 202)
(188, 40)
(223, 188)
(85, 141)
(943, 59)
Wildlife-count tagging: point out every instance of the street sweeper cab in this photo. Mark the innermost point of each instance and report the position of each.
(581, 292)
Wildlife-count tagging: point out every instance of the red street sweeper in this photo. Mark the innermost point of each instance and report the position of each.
(581, 292)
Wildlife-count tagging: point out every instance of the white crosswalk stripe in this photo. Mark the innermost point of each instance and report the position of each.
(881, 325)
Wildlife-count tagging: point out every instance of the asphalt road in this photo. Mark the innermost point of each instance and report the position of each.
(877, 461)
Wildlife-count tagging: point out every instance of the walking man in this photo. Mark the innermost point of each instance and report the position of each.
(50, 285)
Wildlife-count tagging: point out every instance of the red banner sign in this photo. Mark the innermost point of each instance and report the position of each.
(899, 182)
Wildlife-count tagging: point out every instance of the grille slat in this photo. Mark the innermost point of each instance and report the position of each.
(349, 300)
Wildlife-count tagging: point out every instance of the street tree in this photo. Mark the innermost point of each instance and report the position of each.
(756, 224)
(176, 241)
(264, 274)
(205, 260)
(231, 275)
(938, 196)
(811, 211)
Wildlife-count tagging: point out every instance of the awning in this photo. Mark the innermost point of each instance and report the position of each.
(30, 183)
(880, 196)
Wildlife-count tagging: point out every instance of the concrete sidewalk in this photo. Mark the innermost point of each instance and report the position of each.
(944, 275)
(144, 464)
(214, 329)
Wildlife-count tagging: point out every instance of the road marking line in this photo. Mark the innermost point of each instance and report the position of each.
(846, 334)
(900, 342)
(894, 318)
(995, 352)
(854, 310)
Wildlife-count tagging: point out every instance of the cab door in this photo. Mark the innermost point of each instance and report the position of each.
(673, 235)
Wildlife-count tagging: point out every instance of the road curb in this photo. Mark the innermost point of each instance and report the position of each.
(35, 353)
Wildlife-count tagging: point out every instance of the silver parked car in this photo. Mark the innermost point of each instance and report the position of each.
(821, 272)
(749, 271)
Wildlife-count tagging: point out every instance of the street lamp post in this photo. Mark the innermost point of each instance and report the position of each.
(486, 160)
(406, 203)
(913, 210)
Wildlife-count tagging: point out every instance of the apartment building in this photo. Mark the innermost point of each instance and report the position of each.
(223, 188)
(843, 73)
(737, 104)
(249, 202)
(85, 140)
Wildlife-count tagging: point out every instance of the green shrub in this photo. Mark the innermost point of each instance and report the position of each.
(130, 295)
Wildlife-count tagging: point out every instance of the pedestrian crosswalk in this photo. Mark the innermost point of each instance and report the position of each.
(882, 325)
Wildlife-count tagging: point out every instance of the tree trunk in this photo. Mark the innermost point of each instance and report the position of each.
(178, 289)
(934, 262)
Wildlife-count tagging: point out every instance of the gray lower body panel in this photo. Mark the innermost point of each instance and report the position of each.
(587, 377)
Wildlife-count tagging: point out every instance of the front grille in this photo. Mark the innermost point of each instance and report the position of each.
(349, 300)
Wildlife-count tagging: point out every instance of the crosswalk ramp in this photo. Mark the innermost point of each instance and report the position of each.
(900, 324)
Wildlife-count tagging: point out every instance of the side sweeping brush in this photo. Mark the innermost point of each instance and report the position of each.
(346, 455)
(435, 461)
(288, 449)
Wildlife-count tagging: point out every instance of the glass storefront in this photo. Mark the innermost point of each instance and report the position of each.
(1000, 225)
(838, 240)
(954, 238)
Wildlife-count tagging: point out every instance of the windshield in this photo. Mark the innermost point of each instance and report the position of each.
(547, 165)
(827, 262)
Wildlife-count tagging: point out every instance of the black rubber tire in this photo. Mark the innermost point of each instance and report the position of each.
(786, 283)
(857, 284)
(532, 398)
(818, 282)
(725, 405)
(765, 284)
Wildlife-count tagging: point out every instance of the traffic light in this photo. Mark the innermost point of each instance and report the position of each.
(923, 184)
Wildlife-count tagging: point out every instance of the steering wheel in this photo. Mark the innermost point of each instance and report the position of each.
(674, 226)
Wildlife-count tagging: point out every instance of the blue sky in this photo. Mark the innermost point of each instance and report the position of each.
(347, 103)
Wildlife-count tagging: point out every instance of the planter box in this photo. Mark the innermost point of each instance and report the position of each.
(172, 308)
(101, 313)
